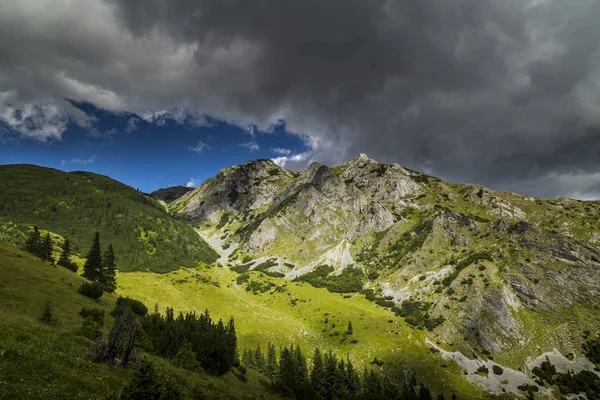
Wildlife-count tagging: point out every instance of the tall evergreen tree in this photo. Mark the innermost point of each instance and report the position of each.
(46, 250)
(65, 256)
(350, 330)
(92, 269)
(352, 379)
(34, 242)
(271, 367)
(259, 359)
(109, 270)
(317, 374)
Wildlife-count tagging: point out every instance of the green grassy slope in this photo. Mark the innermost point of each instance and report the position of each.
(42, 362)
(77, 204)
(295, 312)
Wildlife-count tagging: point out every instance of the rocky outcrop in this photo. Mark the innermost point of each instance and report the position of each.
(171, 193)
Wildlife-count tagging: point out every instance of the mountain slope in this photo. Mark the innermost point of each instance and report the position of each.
(77, 204)
(479, 269)
(171, 193)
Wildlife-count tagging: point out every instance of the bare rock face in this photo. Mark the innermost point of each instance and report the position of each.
(382, 182)
(375, 218)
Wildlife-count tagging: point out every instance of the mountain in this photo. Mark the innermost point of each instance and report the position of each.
(171, 193)
(486, 272)
(481, 293)
(74, 205)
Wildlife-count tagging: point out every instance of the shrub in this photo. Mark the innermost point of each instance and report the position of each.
(124, 303)
(483, 370)
(92, 290)
(47, 317)
(497, 370)
(70, 265)
(96, 314)
(89, 329)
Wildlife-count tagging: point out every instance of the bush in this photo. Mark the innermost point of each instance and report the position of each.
(92, 290)
(47, 317)
(483, 370)
(497, 370)
(70, 265)
(96, 314)
(350, 280)
(89, 329)
(124, 303)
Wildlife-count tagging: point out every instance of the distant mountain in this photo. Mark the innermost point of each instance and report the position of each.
(481, 269)
(171, 193)
(76, 204)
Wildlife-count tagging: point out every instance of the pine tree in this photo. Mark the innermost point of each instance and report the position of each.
(65, 256)
(109, 270)
(317, 374)
(92, 269)
(271, 367)
(349, 331)
(46, 250)
(34, 242)
(352, 379)
(186, 358)
(259, 359)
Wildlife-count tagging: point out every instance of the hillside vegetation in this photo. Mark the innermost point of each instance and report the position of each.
(77, 204)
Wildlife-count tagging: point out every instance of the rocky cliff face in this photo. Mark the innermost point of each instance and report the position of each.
(486, 262)
(171, 193)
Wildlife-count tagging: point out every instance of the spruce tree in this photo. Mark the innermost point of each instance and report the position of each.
(109, 270)
(92, 269)
(317, 374)
(259, 359)
(271, 367)
(34, 242)
(352, 379)
(46, 250)
(186, 358)
(65, 256)
(349, 331)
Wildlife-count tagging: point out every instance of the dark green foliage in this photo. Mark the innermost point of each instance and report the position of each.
(47, 317)
(350, 280)
(90, 329)
(186, 358)
(92, 269)
(127, 303)
(258, 287)
(242, 279)
(483, 369)
(415, 314)
(585, 382)
(349, 330)
(93, 290)
(144, 235)
(265, 265)
(464, 264)
(108, 277)
(213, 343)
(240, 269)
(497, 370)
(95, 314)
(223, 221)
(47, 248)
(591, 349)
(122, 337)
(34, 242)
(65, 257)
(148, 384)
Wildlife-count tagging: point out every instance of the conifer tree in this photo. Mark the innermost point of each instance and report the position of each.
(271, 367)
(109, 269)
(349, 331)
(46, 250)
(65, 256)
(92, 269)
(352, 379)
(317, 374)
(186, 358)
(34, 242)
(259, 359)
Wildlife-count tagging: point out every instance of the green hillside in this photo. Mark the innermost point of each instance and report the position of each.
(38, 361)
(77, 204)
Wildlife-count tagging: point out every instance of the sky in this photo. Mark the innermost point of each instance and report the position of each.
(161, 92)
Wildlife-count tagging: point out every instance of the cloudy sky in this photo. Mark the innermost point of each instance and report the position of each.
(156, 92)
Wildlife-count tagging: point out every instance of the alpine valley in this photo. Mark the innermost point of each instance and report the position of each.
(476, 293)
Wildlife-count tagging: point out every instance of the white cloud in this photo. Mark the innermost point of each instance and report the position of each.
(252, 145)
(132, 124)
(199, 148)
(285, 161)
(192, 183)
(282, 151)
(79, 161)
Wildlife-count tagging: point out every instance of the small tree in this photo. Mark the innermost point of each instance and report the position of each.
(109, 270)
(46, 250)
(121, 340)
(48, 316)
(92, 269)
(186, 358)
(34, 242)
(65, 257)
(349, 330)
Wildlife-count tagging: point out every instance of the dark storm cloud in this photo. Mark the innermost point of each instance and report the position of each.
(505, 93)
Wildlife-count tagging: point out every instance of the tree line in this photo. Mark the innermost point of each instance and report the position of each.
(329, 377)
